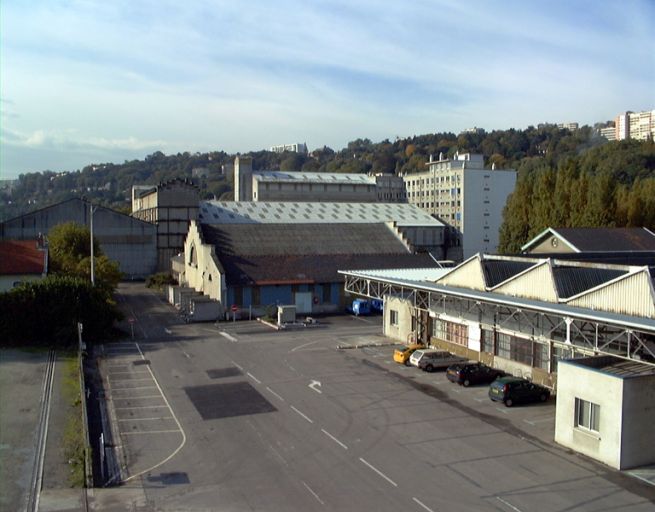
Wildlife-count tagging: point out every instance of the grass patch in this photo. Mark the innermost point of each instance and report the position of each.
(73, 443)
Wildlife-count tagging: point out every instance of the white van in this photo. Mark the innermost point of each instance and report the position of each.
(432, 359)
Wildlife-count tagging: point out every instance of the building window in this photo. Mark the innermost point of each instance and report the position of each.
(393, 317)
(587, 415)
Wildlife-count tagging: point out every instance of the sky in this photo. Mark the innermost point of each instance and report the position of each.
(86, 81)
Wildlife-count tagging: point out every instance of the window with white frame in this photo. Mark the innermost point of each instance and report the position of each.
(393, 317)
(587, 415)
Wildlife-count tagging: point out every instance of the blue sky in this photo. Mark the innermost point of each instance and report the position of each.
(88, 82)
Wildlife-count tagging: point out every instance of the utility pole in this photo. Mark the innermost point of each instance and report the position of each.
(93, 279)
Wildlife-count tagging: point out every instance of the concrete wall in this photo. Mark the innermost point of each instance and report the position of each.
(637, 438)
(202, 272)
(403, 330)
(599, 388)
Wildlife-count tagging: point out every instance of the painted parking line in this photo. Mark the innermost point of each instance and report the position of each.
(136, 432)
(125, 388)
(302, 414)
(149, 419)
(334, 439)
(228, 336)
(371, 466)
(422, 504)
(544, 420)
(254, 378)
(313, 493)
(274, 394)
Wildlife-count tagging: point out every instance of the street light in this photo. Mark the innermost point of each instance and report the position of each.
(93, 280)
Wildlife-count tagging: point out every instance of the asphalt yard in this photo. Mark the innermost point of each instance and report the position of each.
(146, 425)
(537, 419)
(238, 417)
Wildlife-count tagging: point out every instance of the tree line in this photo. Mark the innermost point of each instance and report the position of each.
(612, 185)
(110, 184)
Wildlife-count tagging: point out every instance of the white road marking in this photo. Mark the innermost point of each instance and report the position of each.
(504, 411)
(534, 422)
(238, 366)
(303, 415)
(422, 504)
(334, 439)
(314, 385)
(128, 379)
(508, 504)
(379, 472)
(110, 374)
(302, 346)
(274, 393)
(141, 407)
(254, 378)
(278, 454)
(149, 419)
(313, 493)
(177, 422)
(228, 336)
(114, 398)
(135, 432)
(480, 400)
(127, 388)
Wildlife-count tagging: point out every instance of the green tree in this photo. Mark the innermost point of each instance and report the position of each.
(69, 249)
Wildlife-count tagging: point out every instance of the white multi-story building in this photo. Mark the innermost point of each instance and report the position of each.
(462, 193)
(296, 147)
(635, 125)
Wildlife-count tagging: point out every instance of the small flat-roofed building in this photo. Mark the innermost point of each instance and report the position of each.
(606, 410)
(22, 261)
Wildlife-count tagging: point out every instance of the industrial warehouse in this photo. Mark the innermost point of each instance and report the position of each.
(254, 255)
(531, 315)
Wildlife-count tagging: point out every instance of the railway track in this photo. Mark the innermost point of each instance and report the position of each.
(42, 434)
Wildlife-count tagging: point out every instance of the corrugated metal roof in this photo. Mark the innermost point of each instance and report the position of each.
(242, 212)
(411, 274)
(313, 177)
(317, 268)
(614, 366)
(571, 281)
(498, 271)
(302, 239)
(644, 324)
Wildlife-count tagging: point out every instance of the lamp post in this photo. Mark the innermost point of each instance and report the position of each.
(93, 280)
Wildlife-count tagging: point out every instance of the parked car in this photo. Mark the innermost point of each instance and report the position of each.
(513, 390)
(431, 360)
(401, 355)
(419, 354)
(472, 373)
